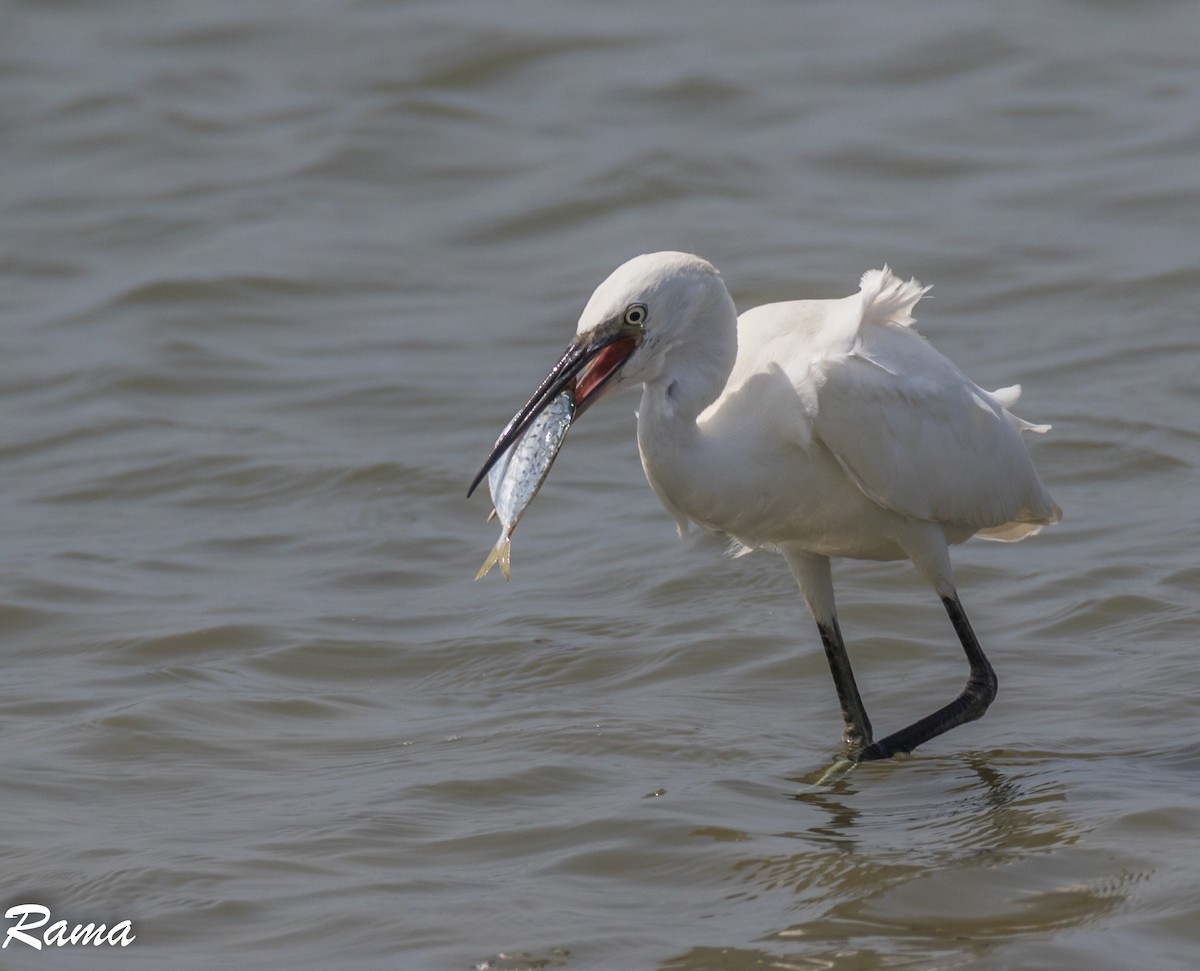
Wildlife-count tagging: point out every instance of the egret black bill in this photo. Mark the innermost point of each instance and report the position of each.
(585, 368)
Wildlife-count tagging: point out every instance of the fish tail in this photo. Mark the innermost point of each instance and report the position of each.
(499, 554)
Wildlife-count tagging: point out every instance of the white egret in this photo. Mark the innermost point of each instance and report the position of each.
(815, 428)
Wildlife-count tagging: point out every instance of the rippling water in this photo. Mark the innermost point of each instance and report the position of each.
(275, 275)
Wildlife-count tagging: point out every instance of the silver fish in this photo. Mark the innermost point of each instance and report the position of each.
(515, 479)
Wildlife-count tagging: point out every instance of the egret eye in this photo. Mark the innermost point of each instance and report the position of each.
(635, 315)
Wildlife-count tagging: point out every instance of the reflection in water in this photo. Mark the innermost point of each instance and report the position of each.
(524, 961)
(886, 869)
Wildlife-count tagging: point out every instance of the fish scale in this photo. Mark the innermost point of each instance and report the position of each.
(516, 478)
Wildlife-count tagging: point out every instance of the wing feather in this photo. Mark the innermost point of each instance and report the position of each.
(908, 427)
(920, 438)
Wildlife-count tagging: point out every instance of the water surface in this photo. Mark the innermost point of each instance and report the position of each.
(275, 276)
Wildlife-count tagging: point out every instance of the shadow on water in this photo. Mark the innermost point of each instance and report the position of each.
(921, 863)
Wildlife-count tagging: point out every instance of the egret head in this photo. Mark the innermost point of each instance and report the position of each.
(646, 308)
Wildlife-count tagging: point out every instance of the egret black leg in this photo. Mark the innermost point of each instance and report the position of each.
(857, 733)
(969, 705)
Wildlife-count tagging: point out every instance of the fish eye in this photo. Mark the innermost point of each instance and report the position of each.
(635, 314)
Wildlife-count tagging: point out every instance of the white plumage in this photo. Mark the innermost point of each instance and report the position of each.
(816, 428)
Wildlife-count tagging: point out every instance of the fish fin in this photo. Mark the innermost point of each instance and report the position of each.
(499, 554)
(491, 516)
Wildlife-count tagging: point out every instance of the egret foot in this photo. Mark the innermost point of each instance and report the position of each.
(836, 772)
